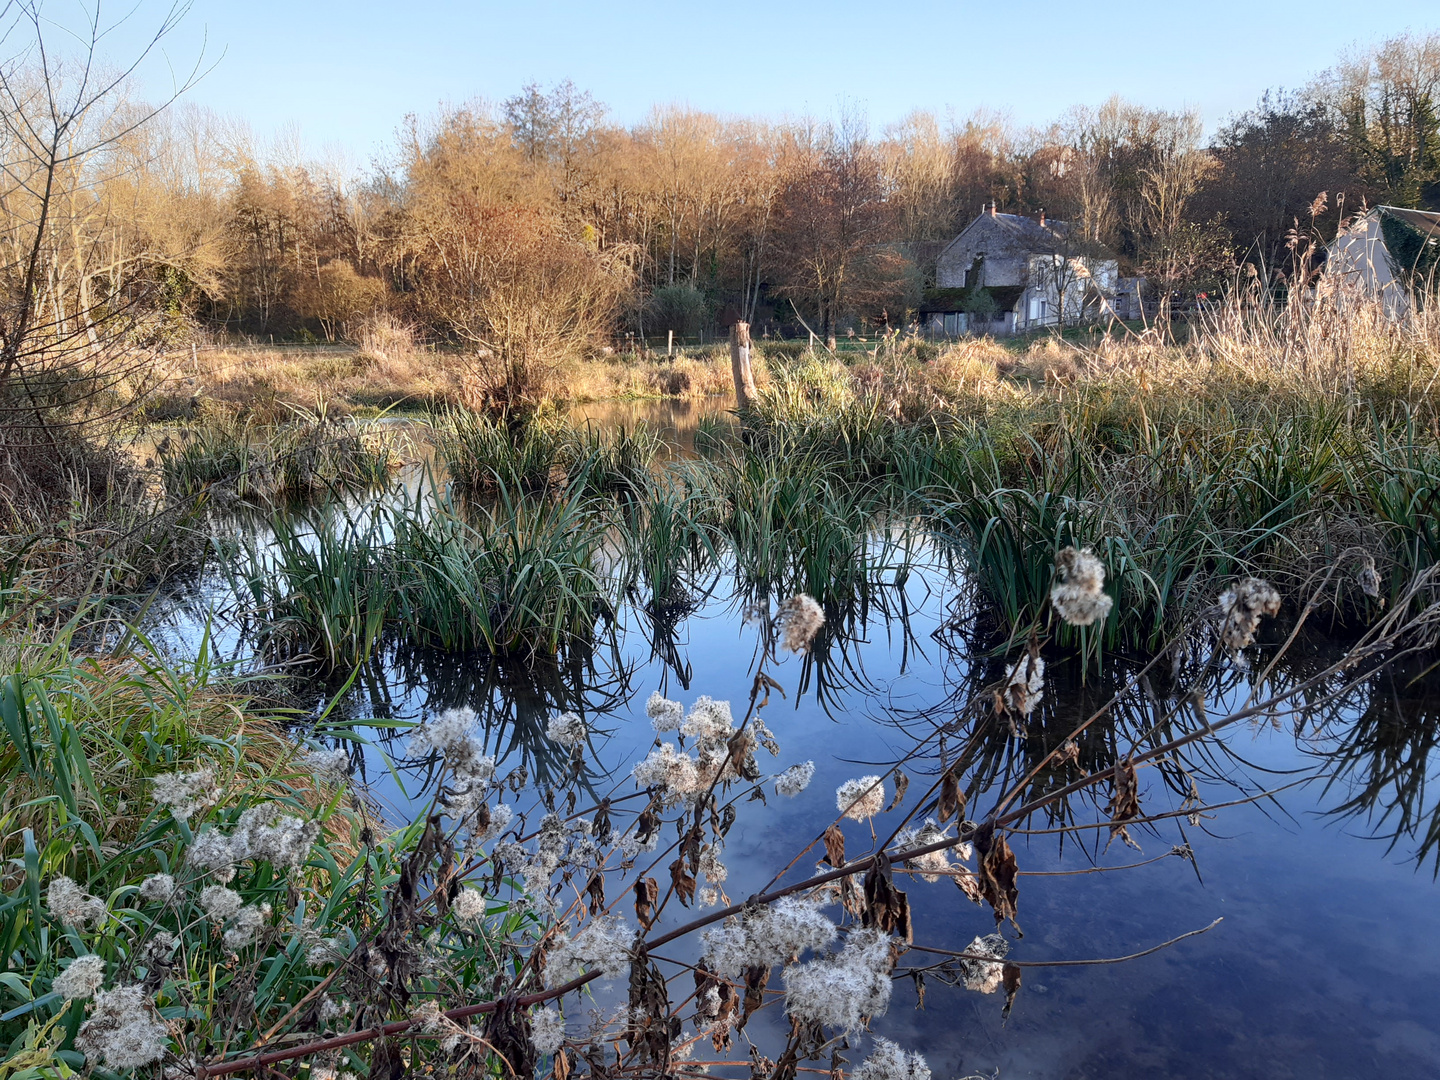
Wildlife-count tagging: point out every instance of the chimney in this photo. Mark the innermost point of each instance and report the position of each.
(1042, 217)
(992, 209)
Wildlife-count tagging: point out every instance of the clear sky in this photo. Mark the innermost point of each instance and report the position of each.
(346, 73)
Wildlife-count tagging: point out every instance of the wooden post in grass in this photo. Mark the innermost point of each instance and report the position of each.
(740, 365)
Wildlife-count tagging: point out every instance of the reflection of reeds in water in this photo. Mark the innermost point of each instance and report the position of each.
(513, 702)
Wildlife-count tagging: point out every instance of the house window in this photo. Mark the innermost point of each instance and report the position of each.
(975, 276)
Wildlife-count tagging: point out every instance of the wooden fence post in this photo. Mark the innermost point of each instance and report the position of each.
(740, 365)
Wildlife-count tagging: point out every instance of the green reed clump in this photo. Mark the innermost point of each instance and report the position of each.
(673, 536)
(482, 452)
(514, 577)
(319, 589)
(1178, 486)
(614, 462)
(313, 454)
(541, 452)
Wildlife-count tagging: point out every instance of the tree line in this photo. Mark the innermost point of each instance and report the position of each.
(532, 226)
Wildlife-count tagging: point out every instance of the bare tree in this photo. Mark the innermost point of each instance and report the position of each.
(76, 302)
(836, 229)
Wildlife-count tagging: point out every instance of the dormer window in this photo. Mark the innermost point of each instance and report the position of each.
(975, 276)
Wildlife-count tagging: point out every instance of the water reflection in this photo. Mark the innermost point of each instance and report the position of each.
(902, 663)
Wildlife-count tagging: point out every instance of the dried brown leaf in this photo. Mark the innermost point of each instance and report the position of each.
(902, 785)
(967, 883)
(683, 881)
(1011, 977)
(835, 846)
(756, 979)
(1124, 801)
(595, 894)
(647, 892)
(997, 874)
(952, 799)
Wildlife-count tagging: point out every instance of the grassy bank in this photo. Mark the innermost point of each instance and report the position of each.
(160, 830)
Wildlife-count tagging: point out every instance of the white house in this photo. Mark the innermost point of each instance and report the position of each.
(1031, 272)
(1363, 255)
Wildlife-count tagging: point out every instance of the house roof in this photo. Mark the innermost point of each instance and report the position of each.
(949, 301)
(1422, 221)
(1015, 234)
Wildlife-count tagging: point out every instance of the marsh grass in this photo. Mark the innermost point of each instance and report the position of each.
(484, 454)
(512, 577)
(313, 453)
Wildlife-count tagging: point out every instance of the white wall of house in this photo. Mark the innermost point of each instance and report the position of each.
(1056, 288)
(1000, 250)
(1359, 257)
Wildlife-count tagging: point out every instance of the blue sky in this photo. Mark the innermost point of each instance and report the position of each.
(345, 74)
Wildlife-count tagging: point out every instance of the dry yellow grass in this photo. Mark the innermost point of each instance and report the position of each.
(265, 381)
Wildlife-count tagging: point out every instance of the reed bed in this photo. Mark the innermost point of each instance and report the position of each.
(484, 454)
(515, 578)
(313, 453)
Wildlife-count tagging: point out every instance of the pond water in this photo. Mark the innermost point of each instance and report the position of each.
(1326, 963)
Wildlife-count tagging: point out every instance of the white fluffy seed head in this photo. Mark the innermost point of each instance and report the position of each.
(468, 905)
(844, 990)
(567, 729)
(768, 937)
(157, 888)
(81, 979)
(799, 619)
(665, 715)
(669, 768)
(72, 905)
(889, 1062)
(709, 722)
(329, 765)
(985, 976)
(935, 862)
(861, 799)
(124, 1030)
(795, 779)
(248, 921)
(185, 794)
(1240, 609)
(547, 1030)
(1077, 596)
(219, 902)
(1025, 684)
(604, 945)
(451, 735)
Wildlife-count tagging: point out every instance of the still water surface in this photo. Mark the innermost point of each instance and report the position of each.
(1327, 963)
